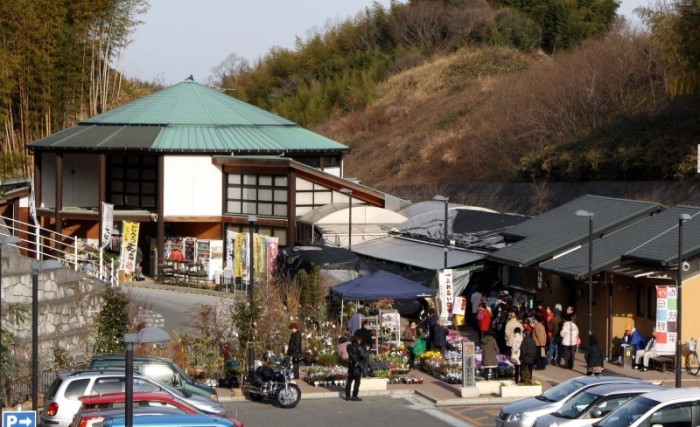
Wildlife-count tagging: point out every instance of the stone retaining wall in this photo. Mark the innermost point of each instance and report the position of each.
(68, 304)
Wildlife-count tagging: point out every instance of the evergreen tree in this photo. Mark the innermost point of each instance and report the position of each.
(112, 322)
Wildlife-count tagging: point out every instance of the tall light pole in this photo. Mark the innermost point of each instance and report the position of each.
(144, 336)
(252, 219)
(446, 242)
(348, 192)
(679, 290)
(589, 215)
(51, 264)
(4, 240)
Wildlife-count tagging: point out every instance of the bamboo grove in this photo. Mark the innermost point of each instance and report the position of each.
(57, 66)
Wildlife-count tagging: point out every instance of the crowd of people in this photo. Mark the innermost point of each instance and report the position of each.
(532, 337)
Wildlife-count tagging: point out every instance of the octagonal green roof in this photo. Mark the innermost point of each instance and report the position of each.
(189, 103)
(189, 117)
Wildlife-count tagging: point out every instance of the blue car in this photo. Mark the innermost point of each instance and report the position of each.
(184, 420)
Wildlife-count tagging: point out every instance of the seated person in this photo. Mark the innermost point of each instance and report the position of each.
(647, 353)
(634, 338)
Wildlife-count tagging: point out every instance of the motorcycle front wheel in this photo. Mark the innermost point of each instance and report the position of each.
(288, 397)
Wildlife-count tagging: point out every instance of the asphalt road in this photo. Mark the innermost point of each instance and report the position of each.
(385, 411)
(169, 310)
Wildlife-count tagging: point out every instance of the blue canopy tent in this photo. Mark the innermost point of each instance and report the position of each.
(379, 285)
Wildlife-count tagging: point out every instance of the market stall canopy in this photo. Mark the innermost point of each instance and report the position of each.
(380, 285)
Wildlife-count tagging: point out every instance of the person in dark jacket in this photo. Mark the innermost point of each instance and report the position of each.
(431, 321)
(595, 358)
(357, 355)
(367, 341)
(489, 354)
(294, 348)
(528, 351)
(439, 338)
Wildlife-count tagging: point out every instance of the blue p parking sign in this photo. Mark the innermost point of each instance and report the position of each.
(19, 419)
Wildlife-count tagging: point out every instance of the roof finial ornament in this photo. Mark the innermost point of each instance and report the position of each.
(190, 78)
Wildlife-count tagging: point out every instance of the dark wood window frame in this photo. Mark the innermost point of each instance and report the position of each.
(257, 194)
(132, 181)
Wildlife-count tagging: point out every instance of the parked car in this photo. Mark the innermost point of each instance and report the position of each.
(593, 404)
(92, 417)
(524, 413)
(160, 368)
(169, 421)
(676, 407)
(93, 405)
(62, 400)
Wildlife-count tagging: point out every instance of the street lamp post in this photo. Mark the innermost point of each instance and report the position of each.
(679, 290)
(144, 336)
(444, 236)
(51, 264)
(589, 215)
(348, 192)
(4, 240)
(252, 219)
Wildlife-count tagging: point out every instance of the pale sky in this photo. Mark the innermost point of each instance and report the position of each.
(179, 37)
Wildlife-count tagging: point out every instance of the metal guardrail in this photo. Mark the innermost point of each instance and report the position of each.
(42, 243)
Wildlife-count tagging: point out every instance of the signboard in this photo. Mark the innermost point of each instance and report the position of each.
(107, 223)
(446, 294)
(666, 319)
(130, 238)
(19, 419)
(460, 306)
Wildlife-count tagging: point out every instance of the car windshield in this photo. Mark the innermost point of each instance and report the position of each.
(576, 406)
(562, 391)
(627, 413)
(169, 389)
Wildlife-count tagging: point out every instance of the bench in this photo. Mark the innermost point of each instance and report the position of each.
(661, 362)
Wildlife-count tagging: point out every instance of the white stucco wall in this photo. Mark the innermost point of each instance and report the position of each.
(81, 180)
(48, 180)
(193, 186)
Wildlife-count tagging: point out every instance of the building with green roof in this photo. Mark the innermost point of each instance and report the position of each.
(190, 161)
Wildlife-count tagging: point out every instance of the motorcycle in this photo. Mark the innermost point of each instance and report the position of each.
(275, 385)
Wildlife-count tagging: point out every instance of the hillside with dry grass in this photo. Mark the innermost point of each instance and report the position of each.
(487, 114)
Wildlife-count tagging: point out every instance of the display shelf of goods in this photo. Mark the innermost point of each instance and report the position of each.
(391, 362)
(326, 376)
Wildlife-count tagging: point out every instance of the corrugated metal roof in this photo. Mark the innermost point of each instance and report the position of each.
(416, 254)
(560, 229)
(646, 235)
(189, 103)
(102, 138)
(190, 117)
(242, 139)
(661, 248)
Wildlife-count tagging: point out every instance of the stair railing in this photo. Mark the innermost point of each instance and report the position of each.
(42, 243)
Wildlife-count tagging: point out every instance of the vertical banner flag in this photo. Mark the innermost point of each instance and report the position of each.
(32, 203)
(130, 238)
(446, 293)
(244, 261)
(107, 224)
(666, 319)
(272, 248)
(230, 249)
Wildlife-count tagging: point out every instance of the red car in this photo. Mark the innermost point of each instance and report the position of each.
(89, 412)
